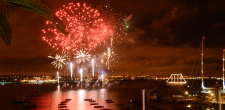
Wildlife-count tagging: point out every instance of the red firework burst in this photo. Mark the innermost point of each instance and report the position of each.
(85, 26)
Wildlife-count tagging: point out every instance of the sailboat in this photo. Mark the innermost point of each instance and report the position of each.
(223, 69)
(202, 84)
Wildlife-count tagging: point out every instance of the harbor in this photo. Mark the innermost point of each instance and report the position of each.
(112, 55)
(118, 96)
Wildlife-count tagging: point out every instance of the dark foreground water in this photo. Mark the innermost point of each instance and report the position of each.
(119, 92)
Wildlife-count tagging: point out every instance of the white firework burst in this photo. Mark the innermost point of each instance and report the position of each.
(81, 56)
(59, 60)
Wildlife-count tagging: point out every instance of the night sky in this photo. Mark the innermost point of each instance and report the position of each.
(164, 38)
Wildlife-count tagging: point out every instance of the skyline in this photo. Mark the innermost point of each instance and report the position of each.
(163, 39)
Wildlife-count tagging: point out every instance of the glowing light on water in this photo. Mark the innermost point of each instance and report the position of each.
(82, 56)
(58, 79)
(59, 60)
(71, 69)
(92, 61)
(81, 70)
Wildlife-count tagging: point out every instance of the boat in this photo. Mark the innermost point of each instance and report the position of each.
(36, 95)
(16, 102)
(63, 102)
(62, 106)
(99, 106)
(176, 79)
(68, 99)
(109, 101)
(27, 96)
(93, 103)
(27, 106)
(20, 100)
(87, 99)
(119, 104)
(126, 108)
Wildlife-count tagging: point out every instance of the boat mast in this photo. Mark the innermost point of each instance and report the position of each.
(202, 64)
(223, 68)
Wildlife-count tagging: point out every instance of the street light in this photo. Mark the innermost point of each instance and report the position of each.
(211, 94)
(186, 93)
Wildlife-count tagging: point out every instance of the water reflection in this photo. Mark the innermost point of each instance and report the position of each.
(80, 99)
(51, 96)
(51, 100)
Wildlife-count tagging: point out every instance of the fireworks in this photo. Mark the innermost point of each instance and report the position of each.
(59, 60)
(94, 29)
(85, 26)
(71, 69)
(82, 56)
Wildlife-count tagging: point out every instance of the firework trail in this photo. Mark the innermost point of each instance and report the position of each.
(93, 71)
(71, 69)
(109, 54)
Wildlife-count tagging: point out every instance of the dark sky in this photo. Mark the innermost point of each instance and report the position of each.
(163, 38)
